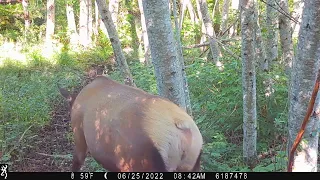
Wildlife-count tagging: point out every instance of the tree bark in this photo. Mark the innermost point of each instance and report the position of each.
(83, 23)
(297, 14)
(180, 56)
(115, 42)
(90, 22)
(114, 9)
(225, 14)
(209, 30)
(186, 4)
(146, 47)
(259, 44)
(50, 21)
(272, 31)
(286, 37)
(248, 83)
(25, 5)
(164, 53)
(304, 69)
(72, 29)
(203, 28)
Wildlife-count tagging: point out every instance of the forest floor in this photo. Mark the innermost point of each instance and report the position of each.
(52, 147)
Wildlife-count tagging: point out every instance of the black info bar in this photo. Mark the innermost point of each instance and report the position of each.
(157, 175)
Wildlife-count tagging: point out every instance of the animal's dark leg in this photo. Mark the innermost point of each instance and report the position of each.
(80, 152)
(197, 167)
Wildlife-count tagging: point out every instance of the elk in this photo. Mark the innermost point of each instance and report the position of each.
(126, 129)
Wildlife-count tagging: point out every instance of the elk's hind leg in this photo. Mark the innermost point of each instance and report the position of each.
(80, 152)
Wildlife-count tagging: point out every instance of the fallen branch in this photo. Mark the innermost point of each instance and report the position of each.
(56, 156)
(304, 123)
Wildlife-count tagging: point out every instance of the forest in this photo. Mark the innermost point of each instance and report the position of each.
(246, 71)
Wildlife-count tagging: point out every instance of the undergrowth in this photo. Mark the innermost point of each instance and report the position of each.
(29, 94)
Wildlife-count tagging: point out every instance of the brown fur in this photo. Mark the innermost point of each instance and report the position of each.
(127, 129)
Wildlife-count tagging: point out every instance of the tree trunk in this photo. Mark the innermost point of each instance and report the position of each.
(209, 30)
(203, 28)
(272, 31)
(146, 47)
(164, 54)
(180, 56)
(72, 29)
(304, 69)
(285, 36)
(25, 4)
(114, 9)
(97, 22)
(115, 42)
(50, 21)
(216, 13)
(225, 14)
(235, 5)
(186, 4)
(259, 45)
(133, 32)
(248, 83)
(297, 14)
(90, 22)
(83, 23)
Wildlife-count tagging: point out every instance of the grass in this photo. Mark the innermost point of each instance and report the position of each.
(29, 94)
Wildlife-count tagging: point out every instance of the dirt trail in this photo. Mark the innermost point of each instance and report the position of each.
(52, 147)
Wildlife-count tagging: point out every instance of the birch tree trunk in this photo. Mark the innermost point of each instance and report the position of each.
(97, 22)
(72, 29)
(180, 56)
(90, 22)
(114, 9)
(203, 28)
(225, 14)
(50, 21)
(259, 44)
(186, 4)
(297, 14)
(209, 30)
(248, 83)
(83, 23)
(272, 31)
(285, 36)
(146, 47)
(165, 58)
(115, 42)
(235, 5)
(25, 5)
(304, 69)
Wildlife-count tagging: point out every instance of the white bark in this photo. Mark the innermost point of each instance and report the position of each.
(25, 5)
(50, 21)
(114, 9)
(146, 47)
(285, 36)
(83, 23)
(235, 5)
(225, 15)
(259, 44)
(203, 28)
(272, 32)
(186, 4)
(209, 30)
(248, 83)
(297, 14)
(72, 29)
(304, 69)
(115, 42)
(180, 56)
(164, 53)
(90, 22)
